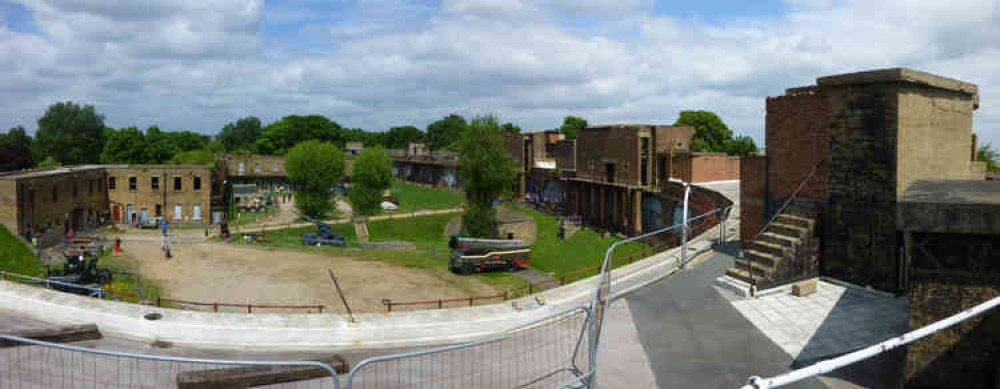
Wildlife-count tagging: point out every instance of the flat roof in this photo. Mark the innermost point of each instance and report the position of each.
(188, 166)
(35, 173)
(953, 192)
(899, 75)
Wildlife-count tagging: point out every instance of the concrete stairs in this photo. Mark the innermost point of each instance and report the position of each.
(786, 248)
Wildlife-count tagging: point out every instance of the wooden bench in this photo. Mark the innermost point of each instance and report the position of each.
(250, 376)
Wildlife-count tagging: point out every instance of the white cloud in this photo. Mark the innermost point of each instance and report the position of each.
(197, 65)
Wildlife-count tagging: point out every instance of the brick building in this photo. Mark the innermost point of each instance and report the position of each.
(417, 163)
(48, 202)
(267, 172)
(861, 139)
(179, 193)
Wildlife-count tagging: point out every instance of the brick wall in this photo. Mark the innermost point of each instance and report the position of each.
(964, 272)
(753, 186)
(597, 146)
(146, 198)
(708, 168)
(859, 242)
(797, 139)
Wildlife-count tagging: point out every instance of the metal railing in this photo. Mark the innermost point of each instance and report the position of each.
(92, 291)
(781, 209)
(538, 354)
(829, 365)
(37, 364)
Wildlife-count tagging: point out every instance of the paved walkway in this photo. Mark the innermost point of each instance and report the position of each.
(693, 336)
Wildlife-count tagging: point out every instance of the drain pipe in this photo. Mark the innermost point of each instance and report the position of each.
(684, 227)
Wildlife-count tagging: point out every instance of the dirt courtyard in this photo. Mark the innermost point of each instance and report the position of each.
(217, 272)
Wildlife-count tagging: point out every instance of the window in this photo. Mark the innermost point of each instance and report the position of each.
(112, 183)
(275, 166)
(590, 164)
(55, 194)
(256, 167)
(90, 186)
(159, 210)
(177, 183)
(132, 184)
(197, 183)
(74, 189)
(177, 212)
(241, 168)
(197, 213)
(154, 183)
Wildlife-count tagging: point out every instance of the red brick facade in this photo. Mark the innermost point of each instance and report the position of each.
(797, 139)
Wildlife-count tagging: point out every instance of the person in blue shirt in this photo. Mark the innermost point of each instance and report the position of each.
(163, 226)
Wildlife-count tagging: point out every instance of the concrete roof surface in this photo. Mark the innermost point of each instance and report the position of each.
(899, 75)
(953, 192)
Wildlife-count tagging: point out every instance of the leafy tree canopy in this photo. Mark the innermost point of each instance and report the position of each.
(193, 157)
(314, 168)
(371, 175)
(15, 150)
(571, 125)
(279, 137)
(991, 156)
(71, 133)
(742, 146)
(48, 162)
(241, 134)
(511, 128)
(710, 132)
(487, 172)
(124, 146)
(398, 137)
(446, 132)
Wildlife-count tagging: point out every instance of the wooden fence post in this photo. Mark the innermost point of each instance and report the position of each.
(249, 308)
(215, 306)
(470, 300)
(440, 304)
(158, 304)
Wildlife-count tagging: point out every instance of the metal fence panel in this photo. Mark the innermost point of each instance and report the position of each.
(35, 364)
(541, 355)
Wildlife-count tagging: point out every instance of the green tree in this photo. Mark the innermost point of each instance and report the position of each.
(241, 134)
(446, 132)
(371, 175)
(282, 135)
(571, 125)
(512, 128)
(215, 147)
(398, 137)
(742, 146)
(186, 140)
(15, 150)
(487, 172)
(991, 156)
(70, 133)
(48, 162)
(193, 157)
(710, 132)
(160, 146)
(126, 146)
(314, 168)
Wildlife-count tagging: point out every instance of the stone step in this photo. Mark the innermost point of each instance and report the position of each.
(762, 257)
(779, 239)
(795, 220)
(787, 230)
(759, 269)
(769, 247)
(802, 210)
(741, 274)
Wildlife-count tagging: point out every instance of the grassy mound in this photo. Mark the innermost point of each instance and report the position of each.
(16, 258)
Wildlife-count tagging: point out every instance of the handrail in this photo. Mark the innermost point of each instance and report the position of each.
(781, 209)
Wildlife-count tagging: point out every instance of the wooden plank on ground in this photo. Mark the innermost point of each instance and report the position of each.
(250, 376)
(63, 334)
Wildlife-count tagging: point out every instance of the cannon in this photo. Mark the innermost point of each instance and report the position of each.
(324, 235)
(82, 273)
(470, 255)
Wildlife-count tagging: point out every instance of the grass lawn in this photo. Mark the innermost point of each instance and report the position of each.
(426, 231)
(16, 258)
(584, 249)
(415, 198)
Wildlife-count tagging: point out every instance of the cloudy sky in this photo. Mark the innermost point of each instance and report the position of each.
(198, 64)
